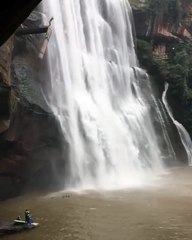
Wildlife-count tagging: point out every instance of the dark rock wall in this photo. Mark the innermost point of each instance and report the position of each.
(5, 83)
(12, 14)
(32, 149)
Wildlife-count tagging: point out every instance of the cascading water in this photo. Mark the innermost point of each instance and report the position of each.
(100, 95)
(169, 153)
(185, 138)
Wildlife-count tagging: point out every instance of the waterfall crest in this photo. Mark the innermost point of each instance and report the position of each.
(100, 96)
(185, 138)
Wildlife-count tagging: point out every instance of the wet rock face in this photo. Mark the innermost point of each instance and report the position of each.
(11, 156)
(31, 146)
(13, 13)
(187, 9)
(5, 83)
(166, 29)
(33, 154)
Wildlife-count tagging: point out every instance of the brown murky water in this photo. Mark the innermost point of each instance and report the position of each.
(162, 211)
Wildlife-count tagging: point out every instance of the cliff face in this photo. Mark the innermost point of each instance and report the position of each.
(31, 146)
(13, 13)
(164, 45)
(162, 28)
(5, 83)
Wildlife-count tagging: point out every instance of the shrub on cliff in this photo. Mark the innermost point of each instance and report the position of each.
(165, 8)
(177, 71)
(145, 56)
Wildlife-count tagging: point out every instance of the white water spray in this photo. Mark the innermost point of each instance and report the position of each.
(100, 96)
(185, 138)
(169, 151)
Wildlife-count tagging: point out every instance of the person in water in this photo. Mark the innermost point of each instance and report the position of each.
(28, 218)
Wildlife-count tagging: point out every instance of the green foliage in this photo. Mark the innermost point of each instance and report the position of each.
(145, 55)
(161, 8)
(137, 4)
(179, 71)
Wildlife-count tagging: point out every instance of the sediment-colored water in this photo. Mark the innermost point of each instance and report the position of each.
(159, 211)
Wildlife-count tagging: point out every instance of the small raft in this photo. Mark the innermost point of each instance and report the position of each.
(15, 226)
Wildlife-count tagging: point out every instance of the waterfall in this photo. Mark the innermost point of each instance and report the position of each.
(165, 139)
(185, 138)
(100, 96)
